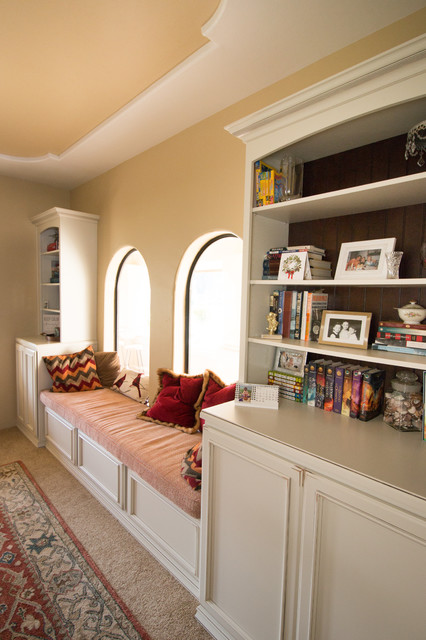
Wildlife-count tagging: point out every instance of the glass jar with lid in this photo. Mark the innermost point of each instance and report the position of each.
(404, 404)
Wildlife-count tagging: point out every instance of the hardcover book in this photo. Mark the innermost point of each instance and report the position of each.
(312, 381)
(305, 382)
(347, 389)
(320, 390)
(356, 391)
(338, 388)
(329, 385)
(372, 393)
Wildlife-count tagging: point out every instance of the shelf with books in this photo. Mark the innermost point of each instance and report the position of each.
(396, 192)
(401, 282)
(360, 355)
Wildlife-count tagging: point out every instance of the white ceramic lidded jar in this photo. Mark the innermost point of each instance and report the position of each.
(404, 404)
(412, 313)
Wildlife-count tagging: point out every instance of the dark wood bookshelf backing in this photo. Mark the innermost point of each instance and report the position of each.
(379, 161)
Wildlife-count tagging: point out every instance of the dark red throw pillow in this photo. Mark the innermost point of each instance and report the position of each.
(217, 392)
(178, 401)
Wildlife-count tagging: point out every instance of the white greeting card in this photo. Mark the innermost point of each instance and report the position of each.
(294, 265)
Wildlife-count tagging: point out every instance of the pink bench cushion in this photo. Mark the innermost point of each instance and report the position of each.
(152, 451)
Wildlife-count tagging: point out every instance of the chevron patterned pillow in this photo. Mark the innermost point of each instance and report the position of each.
(73, 371)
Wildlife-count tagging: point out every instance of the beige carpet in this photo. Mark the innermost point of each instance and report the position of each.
(161, 604)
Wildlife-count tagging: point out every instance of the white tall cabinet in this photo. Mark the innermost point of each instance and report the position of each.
(67, 302)
(313, 524)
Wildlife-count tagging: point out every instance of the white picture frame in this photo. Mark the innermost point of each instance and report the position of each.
(289, 360)
(363, 259)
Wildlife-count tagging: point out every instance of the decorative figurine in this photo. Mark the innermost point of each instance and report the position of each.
(272, 323)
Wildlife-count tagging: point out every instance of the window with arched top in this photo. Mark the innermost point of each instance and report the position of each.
(213, 308)
(132, 301)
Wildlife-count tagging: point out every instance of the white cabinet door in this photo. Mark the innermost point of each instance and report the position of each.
(248, 553)
(363, 566)
(26, 389)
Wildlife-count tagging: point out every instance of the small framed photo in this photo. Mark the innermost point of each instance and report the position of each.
(363, 259)
(345, 328)
(256, 395)
(289, 361)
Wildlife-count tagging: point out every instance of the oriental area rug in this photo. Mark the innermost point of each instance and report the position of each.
(50, 588)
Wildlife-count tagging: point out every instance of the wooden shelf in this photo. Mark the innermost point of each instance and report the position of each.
(362, 282)
(365, 355)
(387, 194)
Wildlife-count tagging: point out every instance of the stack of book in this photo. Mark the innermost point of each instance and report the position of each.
(319, 268)
(401, 338)
(290, 385)
(299, 313)
(347, 389)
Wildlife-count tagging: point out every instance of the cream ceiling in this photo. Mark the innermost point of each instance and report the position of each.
(87, 84)
(68, 65)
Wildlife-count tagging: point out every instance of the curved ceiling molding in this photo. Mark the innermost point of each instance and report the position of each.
(249, 48)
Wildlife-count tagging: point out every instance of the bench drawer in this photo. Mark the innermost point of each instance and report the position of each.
(176, 531)
(61, 436)
(102, 468)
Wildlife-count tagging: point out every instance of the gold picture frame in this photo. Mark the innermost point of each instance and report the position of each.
(345, 328)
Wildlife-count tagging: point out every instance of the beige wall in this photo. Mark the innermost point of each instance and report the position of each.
(19, 201)
(163, 199)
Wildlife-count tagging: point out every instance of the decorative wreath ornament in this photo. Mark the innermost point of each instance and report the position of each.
(416, 142)
(291, 265)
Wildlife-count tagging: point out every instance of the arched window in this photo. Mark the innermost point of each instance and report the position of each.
(213, 308)
(132, 312)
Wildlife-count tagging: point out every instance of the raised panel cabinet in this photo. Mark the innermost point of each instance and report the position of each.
(362, 566)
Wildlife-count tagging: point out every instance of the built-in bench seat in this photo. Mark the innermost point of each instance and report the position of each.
(133, 467)
(154, 452)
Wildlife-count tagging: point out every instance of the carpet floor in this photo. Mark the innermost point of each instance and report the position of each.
(157, 600)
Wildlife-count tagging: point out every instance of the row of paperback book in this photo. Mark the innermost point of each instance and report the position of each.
(290, 385)
(317, 268)
(298, 313)
(348, 389)
(401, 338)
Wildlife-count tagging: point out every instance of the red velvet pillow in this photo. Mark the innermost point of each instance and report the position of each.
(178, 401)
(217, 392)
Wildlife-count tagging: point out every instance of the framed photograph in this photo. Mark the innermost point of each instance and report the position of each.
(289, 361)
(345, 328)
(363, 259)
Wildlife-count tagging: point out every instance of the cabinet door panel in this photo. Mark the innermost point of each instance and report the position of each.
(248, 540)
(362, 567)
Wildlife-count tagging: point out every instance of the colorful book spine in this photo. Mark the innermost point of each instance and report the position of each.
(312, 381)
(280, 312)
(356, 391)
(338, 389)
(329, 385)
(305, 383)
(293, 314)
(399, 331)
(372, 394)
(299, 304)
(288, 296)
(396, 349)
(401, 325)
(320, 388)
(347, 389)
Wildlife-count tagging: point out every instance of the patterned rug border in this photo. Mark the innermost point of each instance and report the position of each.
(138, 627)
